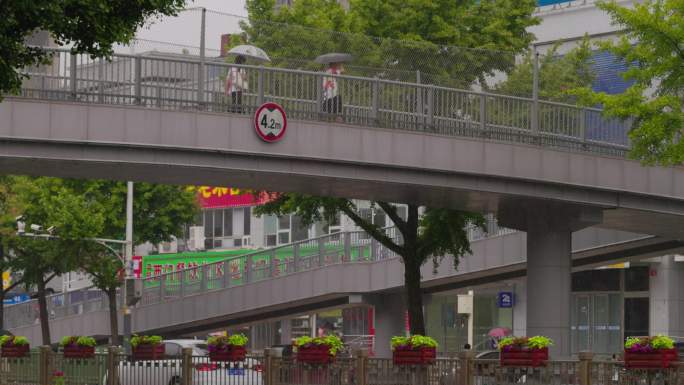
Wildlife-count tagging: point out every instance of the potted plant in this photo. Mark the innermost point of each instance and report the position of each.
(319, 350)
(525, 351)
(147, 347)
(227, 349)
(414, 350)
(14, 346)
(78, 346)
(650, 353)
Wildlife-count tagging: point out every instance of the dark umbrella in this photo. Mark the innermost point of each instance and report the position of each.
(334, 57)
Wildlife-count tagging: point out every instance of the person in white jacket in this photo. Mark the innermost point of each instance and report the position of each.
(332, 100)
(236, 84)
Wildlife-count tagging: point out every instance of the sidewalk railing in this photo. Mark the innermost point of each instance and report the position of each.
(183, 83)
(111, 367)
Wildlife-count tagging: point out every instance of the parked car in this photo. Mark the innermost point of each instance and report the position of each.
(168, 371)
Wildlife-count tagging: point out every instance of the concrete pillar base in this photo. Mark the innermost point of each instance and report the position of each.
(549, 228)
(390, 312)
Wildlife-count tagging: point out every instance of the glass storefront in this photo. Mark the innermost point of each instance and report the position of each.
(608, 305)
(596, 322)
(450, 329)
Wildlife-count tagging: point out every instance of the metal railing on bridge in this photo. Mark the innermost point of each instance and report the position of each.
(297, 257)
(111, 367)
(182, 82)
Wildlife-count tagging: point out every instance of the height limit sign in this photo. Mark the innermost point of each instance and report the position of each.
(270, 122)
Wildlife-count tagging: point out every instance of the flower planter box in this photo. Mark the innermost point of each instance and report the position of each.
(655, 359)
(15, 351)
(228, 354)
(75, 352)
(420, 356)
(524, 357)
(314, 354)
(149, 352)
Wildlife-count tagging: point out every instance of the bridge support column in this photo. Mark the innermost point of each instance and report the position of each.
(549, 230)
(285, 331)
(390, 320)
(666, 288)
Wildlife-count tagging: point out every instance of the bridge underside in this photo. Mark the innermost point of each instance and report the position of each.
(460, 191)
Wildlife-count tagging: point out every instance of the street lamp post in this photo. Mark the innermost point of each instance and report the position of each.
(128, 258)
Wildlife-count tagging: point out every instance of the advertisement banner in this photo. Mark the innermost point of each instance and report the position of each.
(6, 279)
(211, 197)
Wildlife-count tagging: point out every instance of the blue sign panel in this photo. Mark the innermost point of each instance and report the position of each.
(19, 298)
(549, 2)
(505, 299)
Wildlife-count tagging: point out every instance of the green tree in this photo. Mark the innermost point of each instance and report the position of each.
(6, 265)
(559, 75)
(160, 212)
(451, 41)
(93, 26)
(105, 270)
(82, 209)
(426, 234)
(652, 41)
(49, 202)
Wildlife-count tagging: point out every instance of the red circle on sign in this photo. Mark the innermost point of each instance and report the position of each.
(270, 122)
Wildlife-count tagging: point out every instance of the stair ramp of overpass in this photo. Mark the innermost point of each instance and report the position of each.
(351, 247)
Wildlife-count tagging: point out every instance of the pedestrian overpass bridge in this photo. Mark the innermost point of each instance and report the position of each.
(545, 168)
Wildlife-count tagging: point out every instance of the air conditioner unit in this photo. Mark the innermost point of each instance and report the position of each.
(168, 247)
(196, 241)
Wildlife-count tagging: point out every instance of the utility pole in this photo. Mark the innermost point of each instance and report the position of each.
(128, 258)
(535, 92)
(200, 80)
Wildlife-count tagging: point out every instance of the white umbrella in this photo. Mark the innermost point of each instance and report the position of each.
(249, 51)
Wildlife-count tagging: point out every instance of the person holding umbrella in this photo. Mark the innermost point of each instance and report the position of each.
(332, 100)
(236, 80)
(236, 83)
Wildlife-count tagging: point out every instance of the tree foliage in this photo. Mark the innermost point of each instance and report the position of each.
(426, 234)
(446, 40)
(558, 74)
(93, 26)
(652, 42)
(82, 209)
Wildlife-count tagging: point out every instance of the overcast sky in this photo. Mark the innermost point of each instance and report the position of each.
(185, 29)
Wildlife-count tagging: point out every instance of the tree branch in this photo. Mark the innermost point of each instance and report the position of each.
(373, 231)
(49, 278)
(412, 225)
(391, 211)
(12, 286)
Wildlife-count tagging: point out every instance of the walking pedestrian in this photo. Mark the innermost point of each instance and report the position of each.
(236, 84)
(332, 100)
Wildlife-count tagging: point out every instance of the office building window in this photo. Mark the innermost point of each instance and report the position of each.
(637, 279)
(247, 221)
(228, 222)
(218, 223)
(208, 224)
